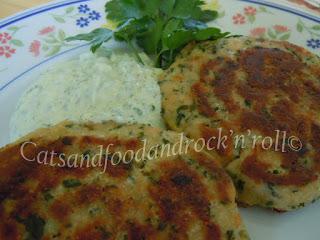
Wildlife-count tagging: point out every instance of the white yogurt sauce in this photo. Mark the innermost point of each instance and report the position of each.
(90, 88)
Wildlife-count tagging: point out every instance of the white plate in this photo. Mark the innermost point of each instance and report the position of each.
(33, 40)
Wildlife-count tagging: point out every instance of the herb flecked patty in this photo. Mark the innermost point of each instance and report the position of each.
(187, 196)
(249, 89)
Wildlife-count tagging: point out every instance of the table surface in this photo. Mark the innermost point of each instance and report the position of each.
(9, 7)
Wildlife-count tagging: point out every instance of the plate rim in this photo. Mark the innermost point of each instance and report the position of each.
(288, 9)
(62, 3)
(30, 12)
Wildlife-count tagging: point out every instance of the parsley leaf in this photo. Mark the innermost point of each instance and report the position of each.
(96, 38)
(133, 28)
(187, 9)
(178, 39)
(209, 33)
(161, 28)
(122, 10)
(150, 41)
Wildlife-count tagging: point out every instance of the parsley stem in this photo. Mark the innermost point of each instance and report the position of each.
(158, 61)
(135, 52)
(171, 55)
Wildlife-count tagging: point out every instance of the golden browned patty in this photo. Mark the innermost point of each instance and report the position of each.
(242, 91)
(186, 196)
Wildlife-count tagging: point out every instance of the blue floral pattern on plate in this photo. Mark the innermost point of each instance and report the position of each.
(84, 8)
(313, 43)
(87, 15)
(94, 15)
(83, 22)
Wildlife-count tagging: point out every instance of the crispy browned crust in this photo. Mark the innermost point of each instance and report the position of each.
(181, 197)
(242, 84)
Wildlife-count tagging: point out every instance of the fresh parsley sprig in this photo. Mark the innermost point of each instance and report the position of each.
(160, 27)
